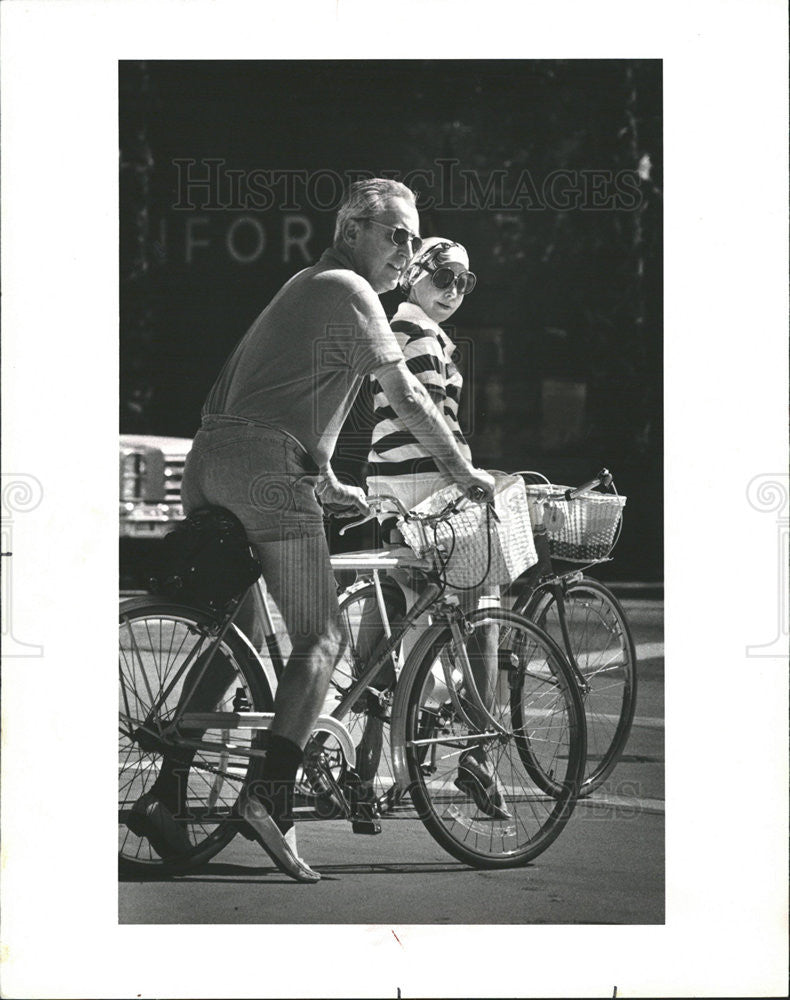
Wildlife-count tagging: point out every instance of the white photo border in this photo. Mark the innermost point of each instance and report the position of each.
(725, 117)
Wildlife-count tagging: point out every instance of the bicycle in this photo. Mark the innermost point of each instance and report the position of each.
(581, 613)
(533, 726)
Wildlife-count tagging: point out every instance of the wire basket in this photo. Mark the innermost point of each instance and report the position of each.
(465, 538)
(580, 530)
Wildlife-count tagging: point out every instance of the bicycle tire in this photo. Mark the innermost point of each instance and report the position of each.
(553, 706)
(605, 652)
(155, 638)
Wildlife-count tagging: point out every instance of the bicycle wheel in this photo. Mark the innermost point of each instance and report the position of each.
(199, 787)
(603, 646)
(368, 719)
(544, 734)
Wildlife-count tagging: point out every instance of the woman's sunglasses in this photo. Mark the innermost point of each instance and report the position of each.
(445, 277)
(400, 237)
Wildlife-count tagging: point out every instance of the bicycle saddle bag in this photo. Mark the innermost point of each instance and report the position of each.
(205, 560)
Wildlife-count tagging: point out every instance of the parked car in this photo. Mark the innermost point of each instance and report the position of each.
(150, 484)
(150, 471)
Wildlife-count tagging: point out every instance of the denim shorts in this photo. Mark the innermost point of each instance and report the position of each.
(259, 473)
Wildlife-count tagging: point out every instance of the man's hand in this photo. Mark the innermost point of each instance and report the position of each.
(330, 490)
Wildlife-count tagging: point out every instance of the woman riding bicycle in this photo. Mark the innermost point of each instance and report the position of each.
(435, 283)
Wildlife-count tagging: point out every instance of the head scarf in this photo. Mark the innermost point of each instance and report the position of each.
(428, 255)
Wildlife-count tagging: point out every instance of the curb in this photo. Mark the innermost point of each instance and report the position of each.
(637, 590)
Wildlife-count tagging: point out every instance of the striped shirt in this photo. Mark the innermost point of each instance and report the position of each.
(429, 353)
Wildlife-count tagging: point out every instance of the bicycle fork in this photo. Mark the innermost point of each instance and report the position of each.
(470, 685)
(558, 592)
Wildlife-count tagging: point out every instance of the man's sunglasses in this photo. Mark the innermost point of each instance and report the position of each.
(445, 277)
(400, 237)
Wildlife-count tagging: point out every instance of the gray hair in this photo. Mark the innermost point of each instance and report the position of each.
(367, 198)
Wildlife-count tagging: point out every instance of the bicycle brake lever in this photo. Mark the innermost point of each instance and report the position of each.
(356, 524)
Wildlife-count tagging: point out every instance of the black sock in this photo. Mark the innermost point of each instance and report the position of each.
(170, 786)
(276, 787)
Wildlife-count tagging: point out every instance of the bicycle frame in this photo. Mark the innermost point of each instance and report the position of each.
(542, 577)
(169, 736)
(433, 709)
(366, 561)
(429, 596)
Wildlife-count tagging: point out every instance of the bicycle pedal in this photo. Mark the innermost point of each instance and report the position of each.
(369, 827)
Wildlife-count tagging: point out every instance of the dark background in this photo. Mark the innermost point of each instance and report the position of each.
(562, 338)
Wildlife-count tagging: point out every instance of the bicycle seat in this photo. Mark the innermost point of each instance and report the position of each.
(206, 559)
(216, 519)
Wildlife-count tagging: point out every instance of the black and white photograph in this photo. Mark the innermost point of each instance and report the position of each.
(508, 213)
(441, 352)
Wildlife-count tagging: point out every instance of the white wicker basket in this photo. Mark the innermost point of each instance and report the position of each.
(580, 530)
(464, 538)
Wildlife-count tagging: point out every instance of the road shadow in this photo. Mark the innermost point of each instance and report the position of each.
(397, 868)
(229, 872)
(212, 873)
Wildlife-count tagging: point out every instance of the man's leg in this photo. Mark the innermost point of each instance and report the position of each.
(299, 578)
(169, 786)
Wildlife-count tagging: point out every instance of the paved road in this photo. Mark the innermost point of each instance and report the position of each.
(606, 867)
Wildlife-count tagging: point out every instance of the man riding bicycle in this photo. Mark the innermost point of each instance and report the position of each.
(263, 451)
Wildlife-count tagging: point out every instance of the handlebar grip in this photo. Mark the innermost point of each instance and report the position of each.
(604, 478)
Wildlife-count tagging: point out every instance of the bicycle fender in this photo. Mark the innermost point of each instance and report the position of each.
(135, 603)
(399, 705)
(328, 724)
(352, 588)
(387, 584)
(265, 665)
(146, 600)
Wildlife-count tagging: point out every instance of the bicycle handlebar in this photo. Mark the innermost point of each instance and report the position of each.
(374, 502)
(604, 478)
(475, 494)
